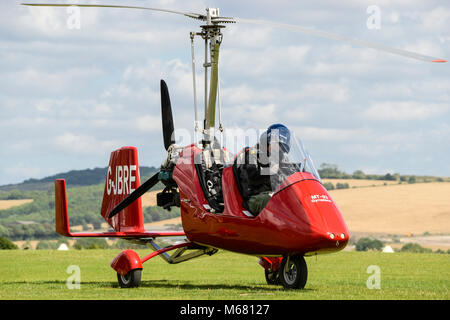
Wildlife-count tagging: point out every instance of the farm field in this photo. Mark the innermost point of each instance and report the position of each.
(390, 209)
(6, 204)
(393, 208)
(149, 198)
(357, 183)
(42, 274)
(396, 209)
(405, 210)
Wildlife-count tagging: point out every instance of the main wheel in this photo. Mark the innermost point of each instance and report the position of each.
(293, 272)
(131, 279)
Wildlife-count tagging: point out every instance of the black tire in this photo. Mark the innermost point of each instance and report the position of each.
(271, 277)
(293, 272)
(131, 280)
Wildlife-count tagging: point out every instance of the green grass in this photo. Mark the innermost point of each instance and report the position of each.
(42, 275)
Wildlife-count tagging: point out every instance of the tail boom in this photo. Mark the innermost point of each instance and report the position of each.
(62, 221)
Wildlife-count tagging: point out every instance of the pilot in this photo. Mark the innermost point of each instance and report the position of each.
(256, 168)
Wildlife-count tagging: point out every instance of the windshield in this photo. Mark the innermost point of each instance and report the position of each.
(283, 162)
(266, 165)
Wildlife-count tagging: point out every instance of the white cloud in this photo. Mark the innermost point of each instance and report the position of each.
(22, 170)
(265, 62)
(75, 95)
(148, 123)
(437, 19)
(404, 110)
(330, 134)
(84, 144)
(251, 115)
(335, 92)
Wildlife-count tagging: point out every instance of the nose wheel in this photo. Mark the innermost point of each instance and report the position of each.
(130, 280)
(293, 272)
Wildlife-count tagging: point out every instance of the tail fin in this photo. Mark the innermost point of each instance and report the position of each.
(123, 178)
(62, 221)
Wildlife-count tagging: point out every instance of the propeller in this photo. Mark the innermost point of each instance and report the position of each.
(143, 188)
(168, 129)
(187, 14)
(351, 41)
(215, 19)
(166, 115)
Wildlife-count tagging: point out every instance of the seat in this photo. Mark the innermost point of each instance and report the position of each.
(232, 196)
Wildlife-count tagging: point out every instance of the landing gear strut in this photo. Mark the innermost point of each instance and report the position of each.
(271, 277)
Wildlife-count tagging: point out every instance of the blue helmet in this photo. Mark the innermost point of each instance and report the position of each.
(278, 132)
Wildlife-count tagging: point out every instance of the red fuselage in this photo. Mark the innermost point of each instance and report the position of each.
(300, 218)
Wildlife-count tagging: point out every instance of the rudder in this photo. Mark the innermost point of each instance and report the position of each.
(122, 178)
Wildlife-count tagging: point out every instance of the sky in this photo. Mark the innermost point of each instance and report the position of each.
(69, 96)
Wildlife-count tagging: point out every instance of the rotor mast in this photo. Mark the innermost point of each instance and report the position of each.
(212, 36)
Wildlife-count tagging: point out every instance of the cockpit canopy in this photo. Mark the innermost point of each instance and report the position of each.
(273, 160)
(279, 163)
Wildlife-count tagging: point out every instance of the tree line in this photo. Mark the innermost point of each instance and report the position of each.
(371, 244)
(36, 220)
(331, 171)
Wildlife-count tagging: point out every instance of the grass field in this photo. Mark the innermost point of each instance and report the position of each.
(224, 276)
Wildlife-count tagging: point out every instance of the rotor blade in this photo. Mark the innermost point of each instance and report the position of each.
(143, 188)
(187, 14)
(166, 115)
(352, 41)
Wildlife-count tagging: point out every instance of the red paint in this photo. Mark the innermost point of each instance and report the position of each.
(231, 196)
(126, 261)
(61, 211)
(270, 263)
(297, 220)
(122, 178)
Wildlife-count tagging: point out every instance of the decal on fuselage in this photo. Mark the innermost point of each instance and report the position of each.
(320, 198)
(122, 181)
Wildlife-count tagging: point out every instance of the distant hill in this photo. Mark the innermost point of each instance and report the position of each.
(74, 178)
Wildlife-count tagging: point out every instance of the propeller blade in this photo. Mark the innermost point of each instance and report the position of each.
(166, 115)
(187, 14)
(352, 41)
(143, 188)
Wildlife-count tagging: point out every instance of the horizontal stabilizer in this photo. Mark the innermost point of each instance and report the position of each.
(62, 221)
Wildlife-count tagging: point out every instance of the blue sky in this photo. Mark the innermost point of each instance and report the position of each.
(68, 97)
